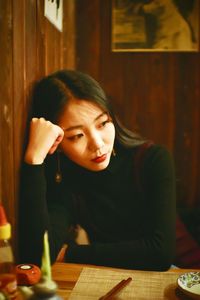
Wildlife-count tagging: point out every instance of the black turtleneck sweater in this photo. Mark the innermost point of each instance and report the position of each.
(127, 211)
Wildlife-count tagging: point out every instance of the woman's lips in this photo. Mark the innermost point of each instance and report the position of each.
(100, 159)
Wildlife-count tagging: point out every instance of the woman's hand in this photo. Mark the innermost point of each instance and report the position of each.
(44, 138)
(82, 236)
(81, 239)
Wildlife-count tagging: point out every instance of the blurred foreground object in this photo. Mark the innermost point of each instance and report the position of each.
(27, 274)
(45, 288)
(8, 281)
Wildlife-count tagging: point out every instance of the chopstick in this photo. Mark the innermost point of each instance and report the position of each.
(116, 289)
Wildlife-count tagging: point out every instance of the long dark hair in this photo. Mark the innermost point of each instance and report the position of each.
(51, 94)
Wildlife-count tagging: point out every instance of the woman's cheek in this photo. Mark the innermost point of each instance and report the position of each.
(111, 131)
(72, 149)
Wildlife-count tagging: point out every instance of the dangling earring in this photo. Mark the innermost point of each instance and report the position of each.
(58, 176)
(113, 152)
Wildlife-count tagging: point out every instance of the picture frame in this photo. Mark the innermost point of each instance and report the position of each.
(155, 25)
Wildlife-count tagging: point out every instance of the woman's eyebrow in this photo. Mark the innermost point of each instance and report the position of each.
(101, 115)
(81, 126)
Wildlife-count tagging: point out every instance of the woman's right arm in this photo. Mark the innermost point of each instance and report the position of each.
(34, 215)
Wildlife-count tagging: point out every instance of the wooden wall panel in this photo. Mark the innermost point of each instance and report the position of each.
(41, 54)
(155, 93)
(68, 38)
(6, 108)
(88, 37)
(30, 47)
(187, 147)
(19, 93)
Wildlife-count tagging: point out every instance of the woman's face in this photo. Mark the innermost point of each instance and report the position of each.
(89, 134)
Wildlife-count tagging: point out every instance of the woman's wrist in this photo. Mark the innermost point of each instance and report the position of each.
(31, 159)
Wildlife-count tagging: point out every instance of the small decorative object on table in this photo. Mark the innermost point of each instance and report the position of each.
(45, 288)
(8, 281)
(189, 283)
(27, 274)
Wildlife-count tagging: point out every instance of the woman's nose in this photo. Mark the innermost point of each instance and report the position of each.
(95, 142)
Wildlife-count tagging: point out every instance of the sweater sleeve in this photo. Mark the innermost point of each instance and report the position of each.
(154, 249)
(37, 214)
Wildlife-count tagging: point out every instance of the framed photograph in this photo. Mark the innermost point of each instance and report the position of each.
(155, 25)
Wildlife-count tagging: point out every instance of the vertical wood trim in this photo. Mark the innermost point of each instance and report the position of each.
(88, 36)
(6, 79)
(68, 38)
(18, 100)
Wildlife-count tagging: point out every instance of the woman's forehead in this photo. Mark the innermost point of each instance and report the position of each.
(78, 110)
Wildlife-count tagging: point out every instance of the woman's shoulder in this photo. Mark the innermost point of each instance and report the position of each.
(156, 159)
(147, 149)
(158, 150)
(147, 154)
(150, 154)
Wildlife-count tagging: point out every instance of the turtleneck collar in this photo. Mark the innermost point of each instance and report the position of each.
(114, 164)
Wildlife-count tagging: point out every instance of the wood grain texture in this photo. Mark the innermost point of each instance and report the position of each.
(154, 93)
(30, 47)
(6, 110)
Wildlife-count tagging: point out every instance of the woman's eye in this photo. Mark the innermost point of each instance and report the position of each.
(75, 137)
(103, 124)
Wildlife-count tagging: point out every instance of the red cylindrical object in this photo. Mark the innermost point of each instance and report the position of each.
(27, 274)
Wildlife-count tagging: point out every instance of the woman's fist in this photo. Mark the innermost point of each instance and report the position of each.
(44, 138)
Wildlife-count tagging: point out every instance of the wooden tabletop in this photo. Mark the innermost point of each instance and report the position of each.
(163, 284)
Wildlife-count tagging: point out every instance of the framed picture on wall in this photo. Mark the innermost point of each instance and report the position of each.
(155, 25)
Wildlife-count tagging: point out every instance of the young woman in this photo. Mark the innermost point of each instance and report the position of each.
(82, 182)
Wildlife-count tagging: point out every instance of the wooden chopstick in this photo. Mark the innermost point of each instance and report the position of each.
(116, 289)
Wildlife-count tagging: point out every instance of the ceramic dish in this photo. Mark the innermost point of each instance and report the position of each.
(189, 283)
